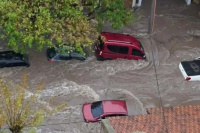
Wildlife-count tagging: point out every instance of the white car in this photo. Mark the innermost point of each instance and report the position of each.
(190, 69)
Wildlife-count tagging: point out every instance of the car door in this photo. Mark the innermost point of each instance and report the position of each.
(15, 62)
(111, 52)
(9, 62)
(123, 52)
(77, 56)
(136, 54)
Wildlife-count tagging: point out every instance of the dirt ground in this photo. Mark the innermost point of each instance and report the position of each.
(153, 83)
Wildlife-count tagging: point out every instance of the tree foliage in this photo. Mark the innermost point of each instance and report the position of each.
(18, 109)
(115, 12)
(41, 23)
(2, 120)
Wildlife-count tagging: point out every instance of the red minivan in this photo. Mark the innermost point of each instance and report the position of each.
(113, 45)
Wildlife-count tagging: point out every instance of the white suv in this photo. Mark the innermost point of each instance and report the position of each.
(191, 69)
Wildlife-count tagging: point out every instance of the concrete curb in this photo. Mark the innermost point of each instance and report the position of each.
(106, 127)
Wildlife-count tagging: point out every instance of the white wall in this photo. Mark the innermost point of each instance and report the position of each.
(139, 3)
(134, 4)
(188, 2)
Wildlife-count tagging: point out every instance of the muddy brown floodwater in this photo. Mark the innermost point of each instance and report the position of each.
(153, 83)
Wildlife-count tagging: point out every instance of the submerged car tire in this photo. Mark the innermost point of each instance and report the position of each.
(83, 59)
(28, 65)
(1, 66)
(100, 58)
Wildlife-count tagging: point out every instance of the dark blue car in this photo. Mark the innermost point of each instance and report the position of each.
(12, 59)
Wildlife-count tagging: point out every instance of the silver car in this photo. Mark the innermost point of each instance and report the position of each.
(63, 54)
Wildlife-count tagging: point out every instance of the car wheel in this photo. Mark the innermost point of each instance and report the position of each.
(1, 66)
(100, 58)
(28, 65)
(83, 59)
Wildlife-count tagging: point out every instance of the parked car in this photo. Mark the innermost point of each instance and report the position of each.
(65, 53)
(12, 59)
(112, 46)
(93, 112)
(190, 70)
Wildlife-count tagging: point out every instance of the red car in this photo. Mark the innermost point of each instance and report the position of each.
(93, 112)
(113, 45)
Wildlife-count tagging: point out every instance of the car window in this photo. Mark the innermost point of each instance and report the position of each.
(75, 55)
(17, 58)
(64, 56)
(6, 55)
(137, 52)
(56, 57)
(123, 50)
(97, 109)
(113, 48)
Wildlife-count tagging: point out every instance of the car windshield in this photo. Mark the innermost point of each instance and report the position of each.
(51, 52)
(97, 109)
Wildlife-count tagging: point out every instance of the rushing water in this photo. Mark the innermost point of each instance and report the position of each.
(176, 38)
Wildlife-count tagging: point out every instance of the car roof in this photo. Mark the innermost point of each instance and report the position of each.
(6, 52)
(120, 38)
(10, 54)
(192, 68)
(114, 106)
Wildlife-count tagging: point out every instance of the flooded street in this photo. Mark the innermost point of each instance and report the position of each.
(154, 82)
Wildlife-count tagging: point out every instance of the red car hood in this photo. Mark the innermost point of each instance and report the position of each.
(87, 113)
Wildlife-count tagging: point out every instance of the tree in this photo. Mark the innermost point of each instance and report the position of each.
(2, 121)
(48, 23)
(18, 109)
